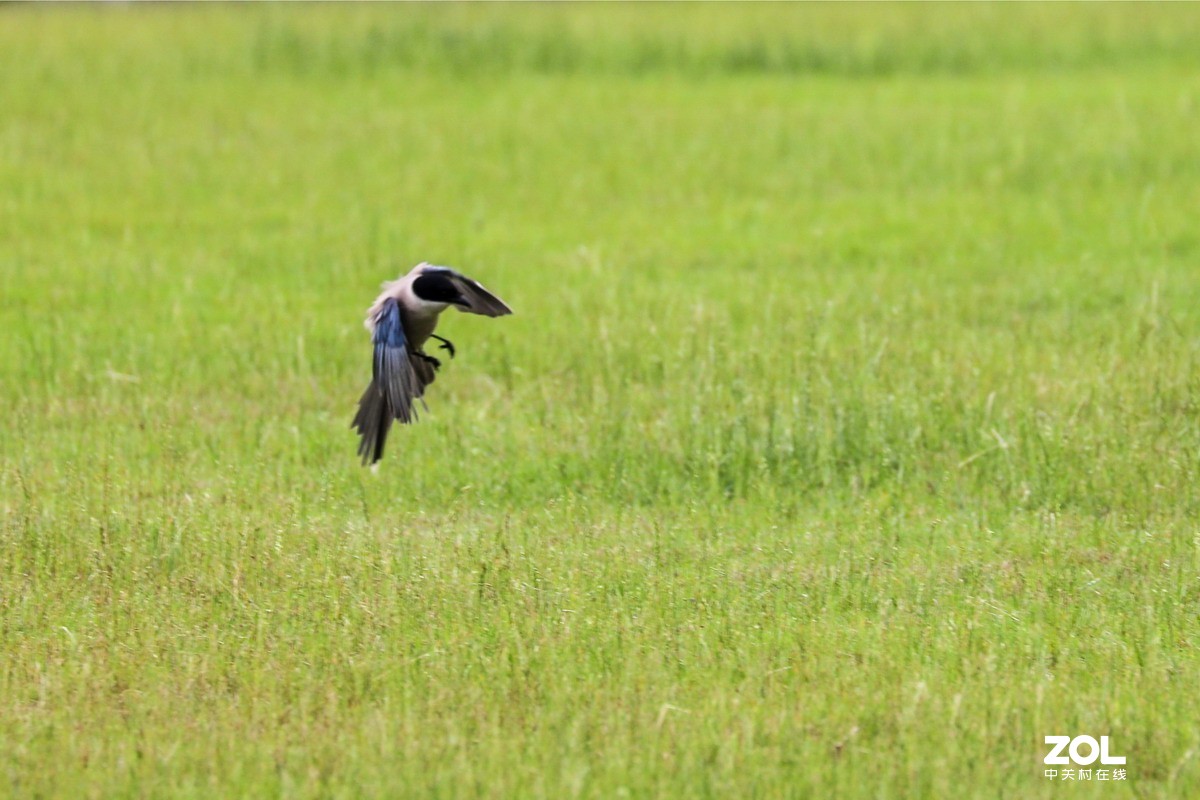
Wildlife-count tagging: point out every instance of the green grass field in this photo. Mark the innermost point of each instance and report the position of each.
(845, 441)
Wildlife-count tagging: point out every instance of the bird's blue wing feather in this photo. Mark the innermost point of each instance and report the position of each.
(392, 369)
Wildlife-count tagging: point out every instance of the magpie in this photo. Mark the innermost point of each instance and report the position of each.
(401, 321)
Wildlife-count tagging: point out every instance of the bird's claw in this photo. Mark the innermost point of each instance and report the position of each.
(446, 344)
(431, 360)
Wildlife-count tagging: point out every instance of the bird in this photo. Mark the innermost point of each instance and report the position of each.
(401, 320)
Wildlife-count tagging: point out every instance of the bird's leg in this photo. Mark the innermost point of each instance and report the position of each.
(446, 344)
(430, 360)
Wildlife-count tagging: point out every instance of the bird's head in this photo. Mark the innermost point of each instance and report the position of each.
(436, 285)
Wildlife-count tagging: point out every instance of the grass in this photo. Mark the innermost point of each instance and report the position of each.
(845, 441)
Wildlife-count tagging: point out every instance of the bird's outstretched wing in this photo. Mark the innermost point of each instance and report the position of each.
(475, 298)
(397, 380)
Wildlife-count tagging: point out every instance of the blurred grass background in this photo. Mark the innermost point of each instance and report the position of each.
(844, 440)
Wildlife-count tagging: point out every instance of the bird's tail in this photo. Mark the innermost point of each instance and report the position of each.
(376, 412)
(373, 421)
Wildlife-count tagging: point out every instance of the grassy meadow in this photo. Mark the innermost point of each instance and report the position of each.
(845, 441)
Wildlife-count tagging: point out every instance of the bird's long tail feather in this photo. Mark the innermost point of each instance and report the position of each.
(373, 421)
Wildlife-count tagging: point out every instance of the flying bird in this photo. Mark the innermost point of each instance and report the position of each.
(401, 321)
